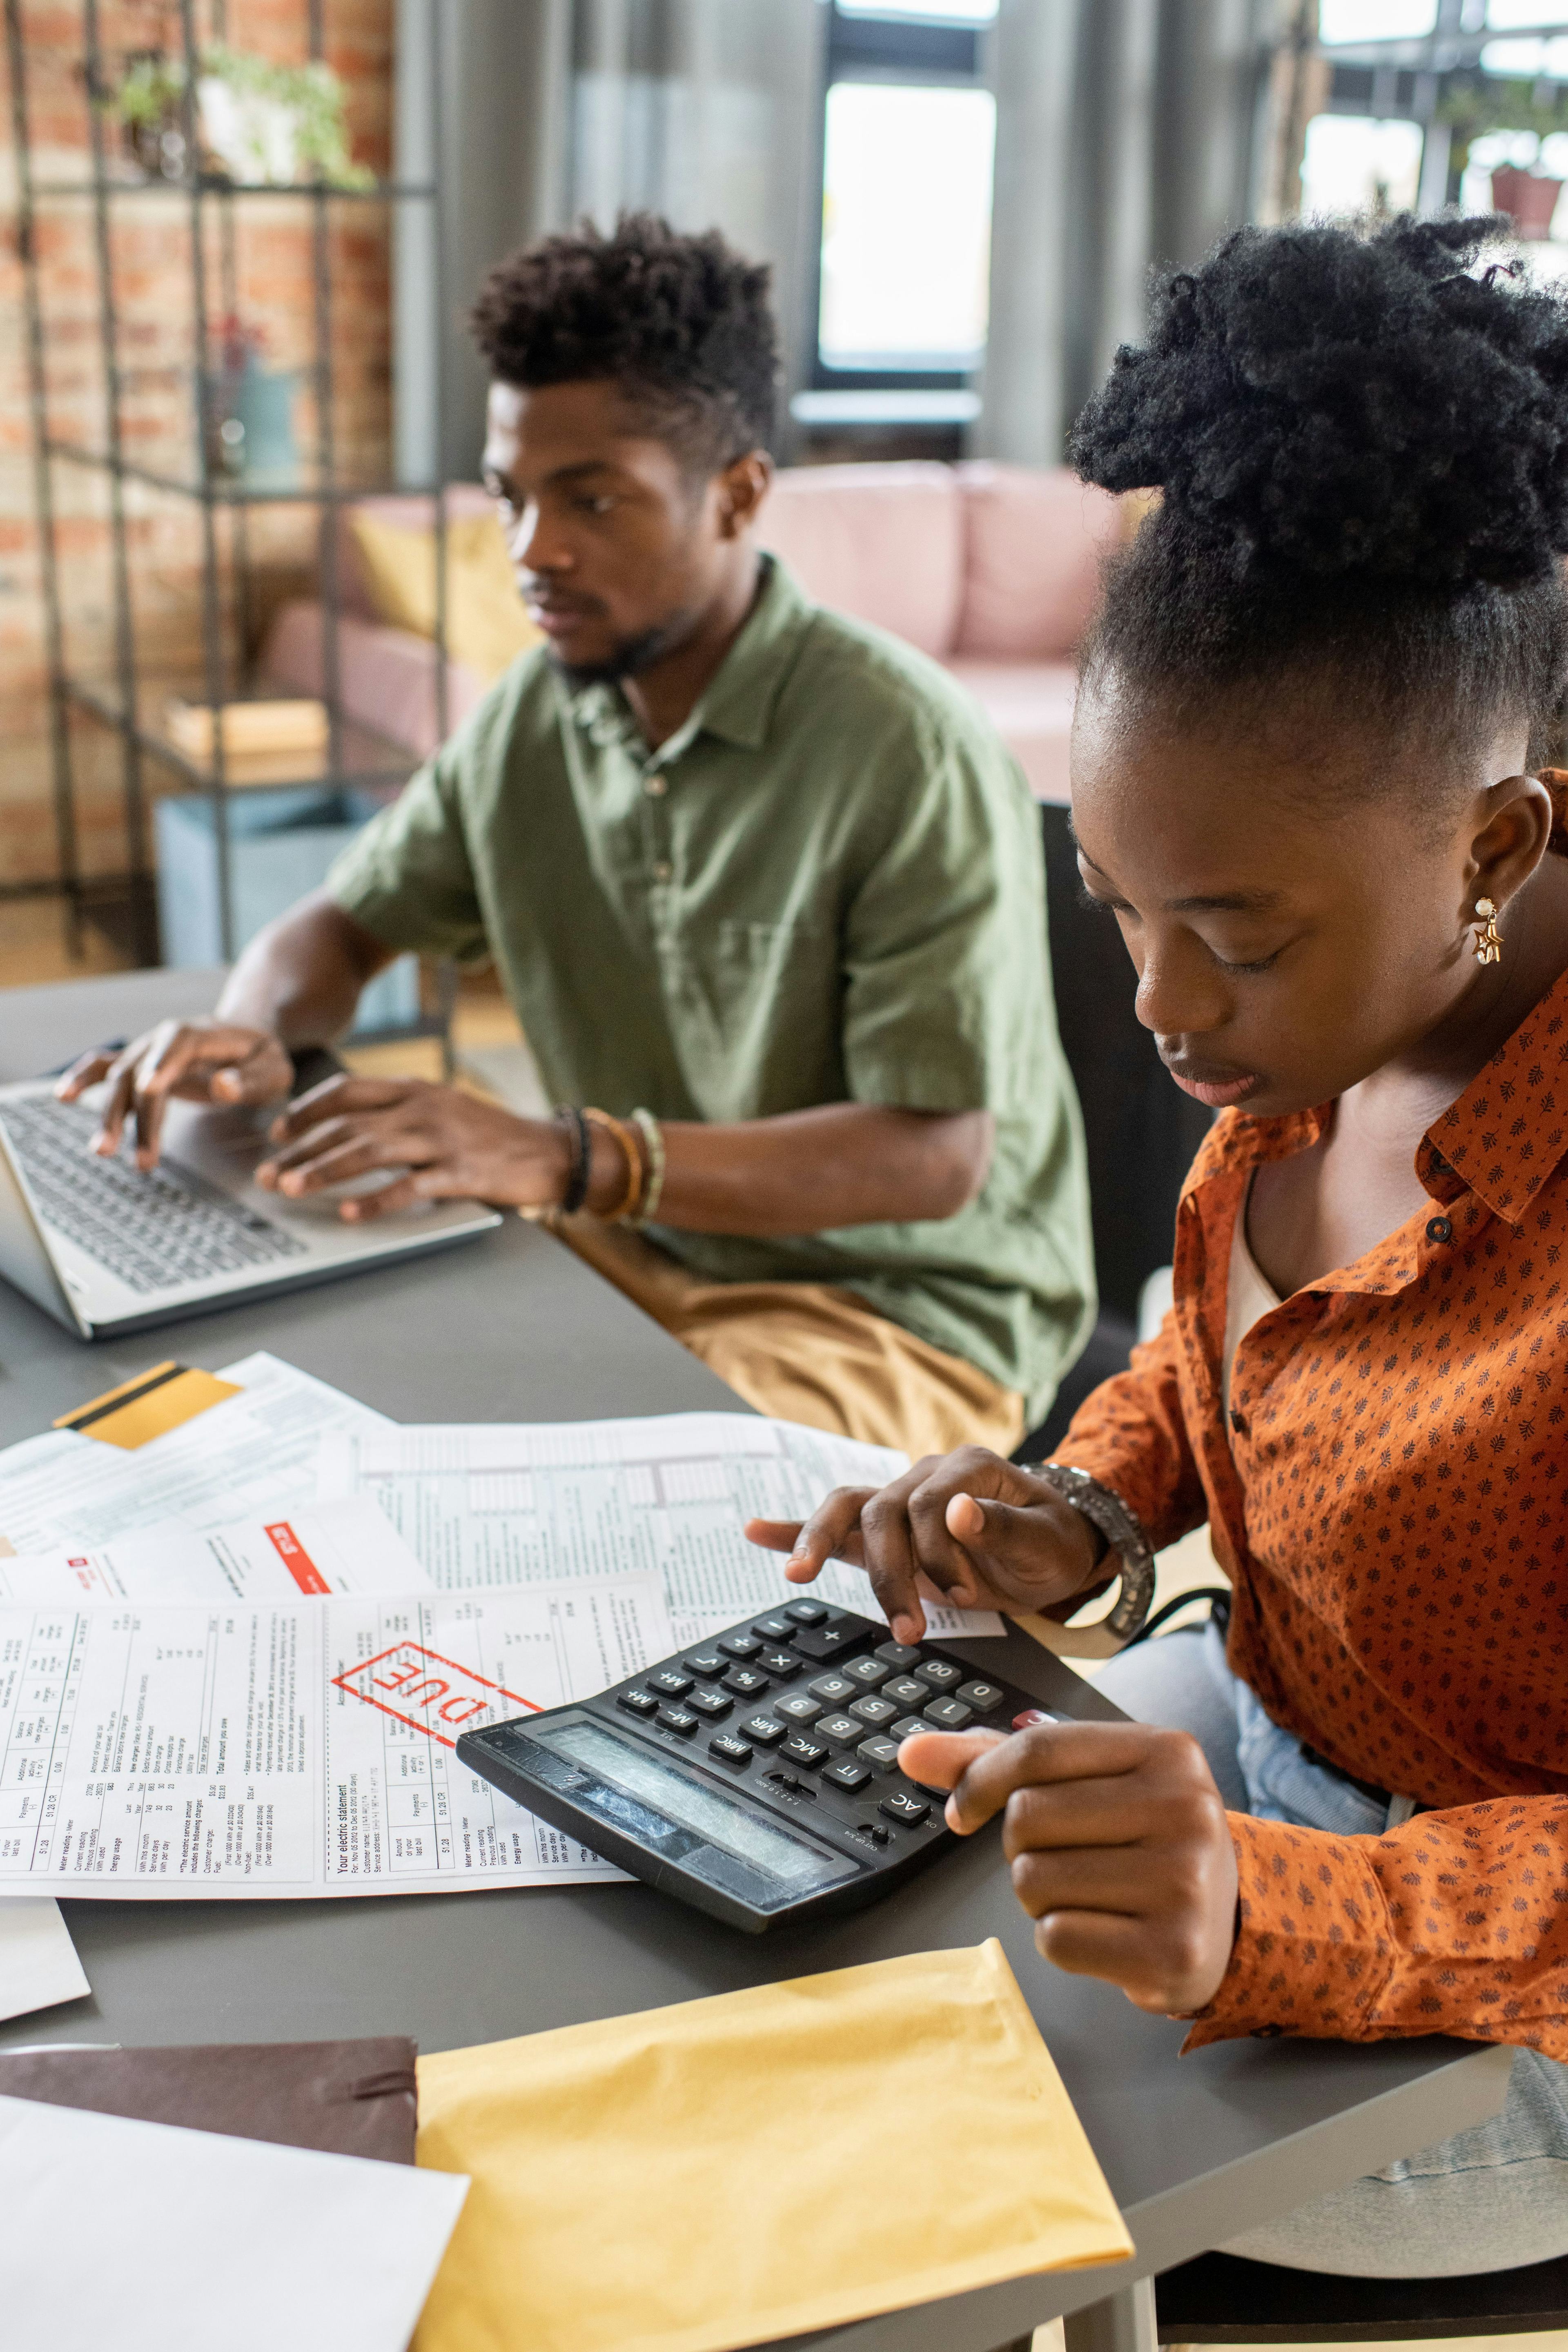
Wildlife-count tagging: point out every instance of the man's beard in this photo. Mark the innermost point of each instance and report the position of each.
(631, 656)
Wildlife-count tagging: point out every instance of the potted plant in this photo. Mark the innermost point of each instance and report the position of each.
(249, 408)
(1489, 103)
(256, 122)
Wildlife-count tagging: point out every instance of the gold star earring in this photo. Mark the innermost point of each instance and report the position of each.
(1488, 938)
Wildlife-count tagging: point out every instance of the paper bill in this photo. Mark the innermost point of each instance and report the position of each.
(252, 1454)
(504, 1504)
(343, 1546)
(298, 1748)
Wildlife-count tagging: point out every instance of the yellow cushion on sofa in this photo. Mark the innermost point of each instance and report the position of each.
(487, 623)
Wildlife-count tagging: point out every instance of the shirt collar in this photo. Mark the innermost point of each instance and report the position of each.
(1509, 1130)
(739, 703)
(1507, 1133)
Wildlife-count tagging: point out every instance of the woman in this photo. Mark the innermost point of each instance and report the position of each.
(1306, 783)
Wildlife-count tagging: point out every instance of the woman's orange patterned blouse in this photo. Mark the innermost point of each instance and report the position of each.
(1391, 1505)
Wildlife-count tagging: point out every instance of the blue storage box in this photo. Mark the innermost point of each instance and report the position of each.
(281, 845)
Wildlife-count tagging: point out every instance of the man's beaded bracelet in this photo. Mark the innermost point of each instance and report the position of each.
(568, 1116)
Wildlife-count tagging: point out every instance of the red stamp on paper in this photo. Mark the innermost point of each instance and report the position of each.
(429, 1692)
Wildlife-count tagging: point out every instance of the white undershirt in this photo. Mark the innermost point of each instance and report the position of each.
(1249, 1293)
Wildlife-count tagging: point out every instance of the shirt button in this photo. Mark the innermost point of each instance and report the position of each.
(655, 787)
(1438, 1229)
(664, 871)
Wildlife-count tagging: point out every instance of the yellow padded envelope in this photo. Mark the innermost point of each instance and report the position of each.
(723, 2172)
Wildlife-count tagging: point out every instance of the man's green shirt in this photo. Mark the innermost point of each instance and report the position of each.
(827, 888)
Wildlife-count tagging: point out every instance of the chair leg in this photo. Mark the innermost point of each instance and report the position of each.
(1122, 2323)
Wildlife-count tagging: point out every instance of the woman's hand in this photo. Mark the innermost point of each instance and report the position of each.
(1118, 1844)
(196, 1060)
(987, 1534)
(449, 1146)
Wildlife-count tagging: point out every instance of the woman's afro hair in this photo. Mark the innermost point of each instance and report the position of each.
(682, 323)
(1333, 403)
(1362, 441)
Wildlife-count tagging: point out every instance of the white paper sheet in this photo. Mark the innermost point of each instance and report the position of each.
(487, 1505)
(195, 2240)
(38, 1966)
(251, 1455)
(308, 1748)
(343, 1546)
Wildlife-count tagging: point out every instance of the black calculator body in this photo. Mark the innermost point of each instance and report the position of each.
(755, 1775)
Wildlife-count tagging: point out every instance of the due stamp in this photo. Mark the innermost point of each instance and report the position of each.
(429, 1692)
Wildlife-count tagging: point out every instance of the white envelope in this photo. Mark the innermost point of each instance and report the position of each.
(152, 2239)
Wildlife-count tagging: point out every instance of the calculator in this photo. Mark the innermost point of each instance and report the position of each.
(755, 1775)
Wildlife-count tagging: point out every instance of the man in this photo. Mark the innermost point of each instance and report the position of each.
(759, 882)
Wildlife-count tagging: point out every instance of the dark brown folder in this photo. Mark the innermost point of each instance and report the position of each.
(350, 2098)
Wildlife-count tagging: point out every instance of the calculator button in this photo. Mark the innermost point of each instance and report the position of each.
(882, 1754)
(740, 1645)
(874, 1712)
(669, 1681)
(713, 1706)
(949, 1713)
(799, 1705)
(870, 1672)
(806, 1612)
(762, 1730)
(904, 1691)
(831, 1689)
(800, 1748)
(745, 1681)
(776, 1628)
(838, 1730)
(638, 1702)
(730, 1749)
(981, 1696)
(909, 1726)
(1032, 1715)
(940, 1672)
(899, 1655)
(837, 1639)
(903, 1805)
(678, 1719)
(783, 1664)
(707, 1665)
(847, 1773)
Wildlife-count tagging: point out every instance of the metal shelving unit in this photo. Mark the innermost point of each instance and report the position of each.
(119, 702)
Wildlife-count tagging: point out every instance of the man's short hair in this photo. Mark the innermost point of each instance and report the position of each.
(681, 322)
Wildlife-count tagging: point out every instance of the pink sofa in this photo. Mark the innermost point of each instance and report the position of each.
(992, 569)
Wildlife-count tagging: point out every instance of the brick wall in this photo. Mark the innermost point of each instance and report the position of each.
(268, 269)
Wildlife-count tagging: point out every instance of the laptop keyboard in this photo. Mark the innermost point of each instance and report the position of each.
(153, 1229)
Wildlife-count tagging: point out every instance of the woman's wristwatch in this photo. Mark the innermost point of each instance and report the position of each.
(1125, 1537)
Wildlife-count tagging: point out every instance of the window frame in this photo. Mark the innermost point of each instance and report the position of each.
(903, 51)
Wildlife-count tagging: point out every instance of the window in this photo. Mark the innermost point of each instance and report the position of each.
(908, 130)
(1354, 163)
(905, 248)
(1380, 20)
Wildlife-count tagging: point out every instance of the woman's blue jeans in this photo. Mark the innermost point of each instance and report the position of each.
(1487, 2200)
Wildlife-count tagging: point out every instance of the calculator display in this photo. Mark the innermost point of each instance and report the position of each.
(647, 1799)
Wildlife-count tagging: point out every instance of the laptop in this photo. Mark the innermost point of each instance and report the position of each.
(107, 1248)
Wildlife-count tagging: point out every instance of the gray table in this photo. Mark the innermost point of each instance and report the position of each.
(512, 1326)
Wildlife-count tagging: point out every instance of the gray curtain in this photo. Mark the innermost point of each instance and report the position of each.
(1125, 137)
(554, 109)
